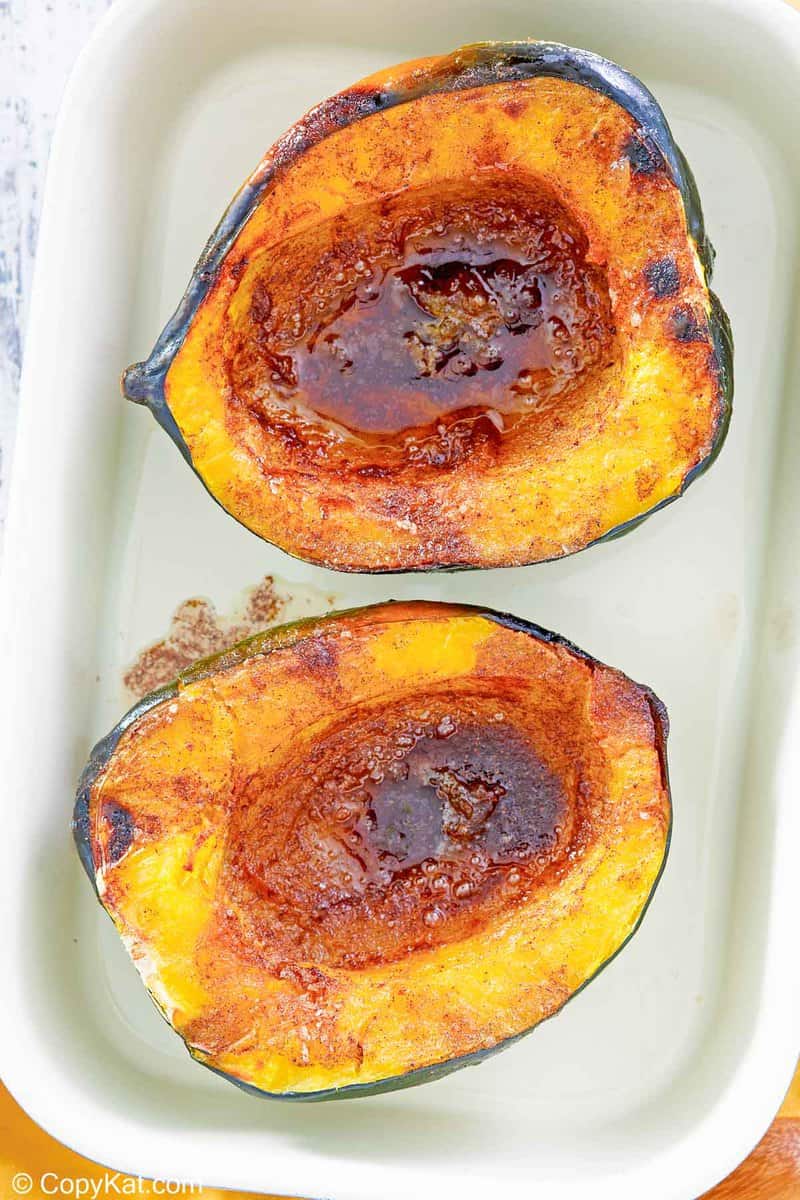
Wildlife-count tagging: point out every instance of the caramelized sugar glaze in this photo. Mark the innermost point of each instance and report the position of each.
(403, 827)
(415, 328)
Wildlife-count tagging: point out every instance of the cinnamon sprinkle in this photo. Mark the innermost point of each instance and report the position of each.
(198, 630)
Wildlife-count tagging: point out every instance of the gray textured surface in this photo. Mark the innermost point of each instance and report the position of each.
(39, 42)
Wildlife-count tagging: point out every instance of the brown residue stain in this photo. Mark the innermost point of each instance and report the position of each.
(728, 617)
(197, 630)
(783, 628)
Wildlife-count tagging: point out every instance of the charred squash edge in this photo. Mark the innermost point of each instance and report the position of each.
(287, 635)
(471, 67)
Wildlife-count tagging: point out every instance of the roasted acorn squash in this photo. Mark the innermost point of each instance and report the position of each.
(458, 316)
(356, 853)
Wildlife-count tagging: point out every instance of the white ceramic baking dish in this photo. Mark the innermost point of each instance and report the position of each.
(661, 1075)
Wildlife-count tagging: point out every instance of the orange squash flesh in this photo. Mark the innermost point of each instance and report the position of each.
(359, 852)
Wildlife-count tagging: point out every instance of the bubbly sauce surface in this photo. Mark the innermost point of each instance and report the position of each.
(397, 831)
(407, 317)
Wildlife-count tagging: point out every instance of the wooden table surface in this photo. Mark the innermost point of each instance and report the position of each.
(39, 42)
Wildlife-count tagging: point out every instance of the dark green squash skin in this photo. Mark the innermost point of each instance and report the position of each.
(264, 643)
(474, 66)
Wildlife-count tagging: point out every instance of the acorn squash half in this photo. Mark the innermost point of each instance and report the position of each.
(356, 853)
(458, 317)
